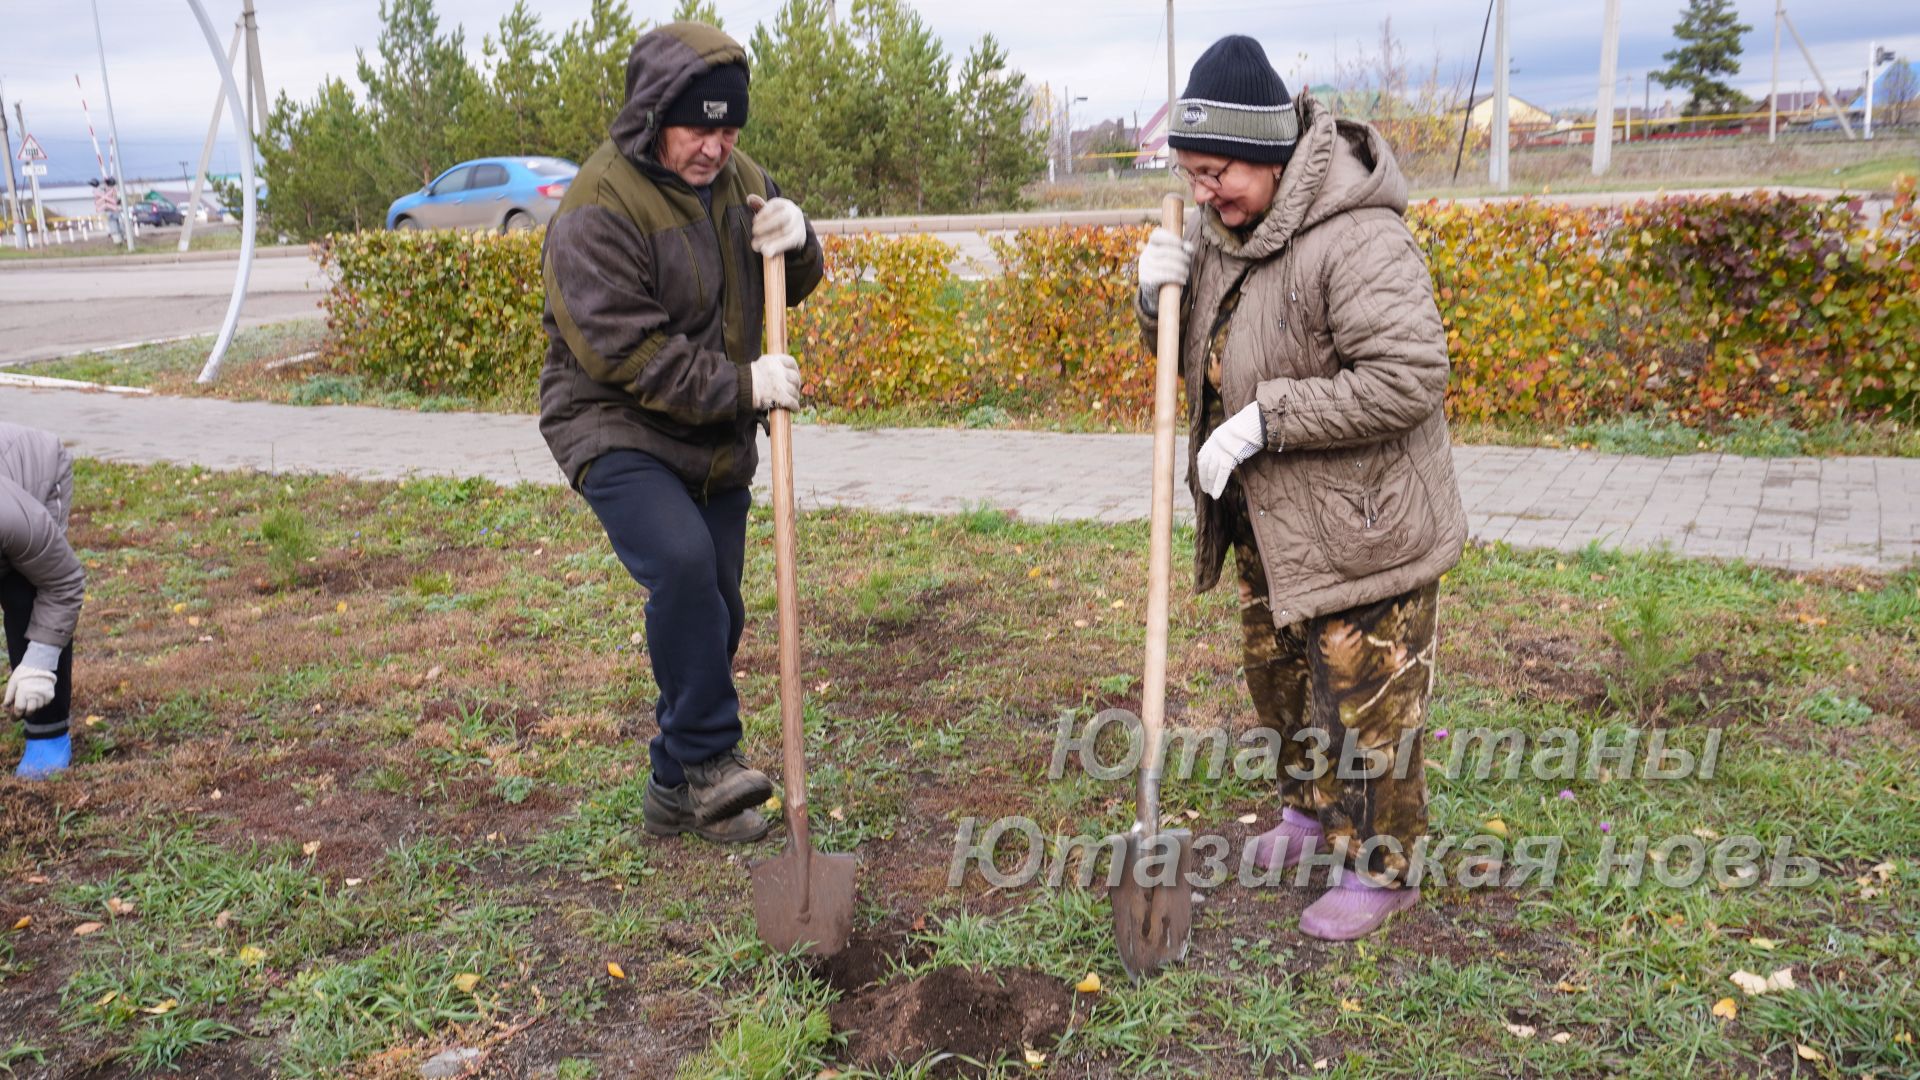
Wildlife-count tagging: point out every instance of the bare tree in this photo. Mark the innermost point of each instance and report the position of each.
(1410, 106)
(1898, 89)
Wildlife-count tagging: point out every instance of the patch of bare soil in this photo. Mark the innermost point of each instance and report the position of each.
(1714, 687)
(1557, 668)
(354, 828)
(871, 957)
(965, 1020)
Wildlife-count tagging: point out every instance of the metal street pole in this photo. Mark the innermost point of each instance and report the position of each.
(1873, 53)
(33, 178)
(113, 132)
(1070, 100)
(1875, 57)
(14, 213)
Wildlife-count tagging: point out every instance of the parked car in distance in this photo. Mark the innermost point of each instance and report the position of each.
(157, 213)
(501, 194)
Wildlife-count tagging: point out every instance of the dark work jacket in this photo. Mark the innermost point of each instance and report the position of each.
(654, 300)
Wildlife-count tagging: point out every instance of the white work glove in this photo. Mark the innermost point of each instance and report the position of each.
(1243, 435)
(1163, 261)
(776, 382)
(778, 226)
(28, 690)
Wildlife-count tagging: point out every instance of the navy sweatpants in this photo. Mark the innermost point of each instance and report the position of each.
(689, 556)
(16, 601)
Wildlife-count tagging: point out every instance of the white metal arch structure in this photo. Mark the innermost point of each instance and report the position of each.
(250, 207)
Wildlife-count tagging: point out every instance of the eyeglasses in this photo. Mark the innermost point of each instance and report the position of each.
(1211, 181)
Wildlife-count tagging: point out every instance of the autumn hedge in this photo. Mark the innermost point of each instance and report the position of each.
(1706, 309)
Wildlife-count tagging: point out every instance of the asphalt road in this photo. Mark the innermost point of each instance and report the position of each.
(50, 310)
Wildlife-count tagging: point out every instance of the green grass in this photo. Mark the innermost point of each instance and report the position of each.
(218, 238)
(1872, 176)
(173, 365)
(172, 368)
(308, 817)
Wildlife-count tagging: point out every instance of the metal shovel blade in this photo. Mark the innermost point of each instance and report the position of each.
(804, 898)
(1153, 903)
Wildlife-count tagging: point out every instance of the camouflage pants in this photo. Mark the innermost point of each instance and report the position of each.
(1358, 678)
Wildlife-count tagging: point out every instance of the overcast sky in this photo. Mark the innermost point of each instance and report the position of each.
(1111, 51)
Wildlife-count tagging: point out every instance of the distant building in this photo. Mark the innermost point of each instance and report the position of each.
(1805, 107)
(1521, 114)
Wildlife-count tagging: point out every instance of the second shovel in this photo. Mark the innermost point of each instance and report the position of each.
(1153, 904)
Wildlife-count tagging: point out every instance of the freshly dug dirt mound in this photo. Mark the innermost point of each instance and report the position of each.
(982, 1015)
(870, 958)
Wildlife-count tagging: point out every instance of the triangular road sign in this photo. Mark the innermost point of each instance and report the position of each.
(30, 150)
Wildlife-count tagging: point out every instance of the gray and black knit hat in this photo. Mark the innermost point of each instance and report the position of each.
(1236, 106)
(716, 98)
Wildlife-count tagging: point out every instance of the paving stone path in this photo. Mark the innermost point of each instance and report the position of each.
(1799, 513)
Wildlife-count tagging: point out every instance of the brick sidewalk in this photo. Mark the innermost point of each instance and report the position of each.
(1799, 513)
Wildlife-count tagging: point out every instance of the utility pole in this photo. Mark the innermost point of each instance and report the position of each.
(1170, 90)
(1603, 117)
(1773, 95)
(257, 98)
(113, 133)
(13, 194)
(1497, 167)
(1839, 113)
(33, 178)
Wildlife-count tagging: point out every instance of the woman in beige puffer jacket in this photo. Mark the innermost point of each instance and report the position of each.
(1315, 366)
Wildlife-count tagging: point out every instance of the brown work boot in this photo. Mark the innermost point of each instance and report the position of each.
(723, 786)
(668, 812)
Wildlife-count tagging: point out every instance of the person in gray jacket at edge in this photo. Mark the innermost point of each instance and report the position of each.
(42, 585)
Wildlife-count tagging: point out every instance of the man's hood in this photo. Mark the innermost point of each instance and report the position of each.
(663, 62)
(1339, 165)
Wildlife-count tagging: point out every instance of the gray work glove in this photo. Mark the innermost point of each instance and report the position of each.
(29, 689)
(1164, 260)
(778, 226)
(1243, 435)
(776, 382)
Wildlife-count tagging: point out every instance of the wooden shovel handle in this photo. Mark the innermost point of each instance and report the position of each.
(1153, 687)
(793, 736)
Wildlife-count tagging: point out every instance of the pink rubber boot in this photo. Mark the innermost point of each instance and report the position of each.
(1287, 843)
(1354, 908)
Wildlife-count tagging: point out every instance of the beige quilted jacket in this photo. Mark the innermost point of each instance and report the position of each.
(1337, 337)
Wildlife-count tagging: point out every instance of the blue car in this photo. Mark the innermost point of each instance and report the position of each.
(497, 194)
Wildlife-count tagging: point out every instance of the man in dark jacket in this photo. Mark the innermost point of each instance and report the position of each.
(654, 382)
(41, 587)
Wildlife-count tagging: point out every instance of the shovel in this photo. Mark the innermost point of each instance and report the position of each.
(1152, 904)
(802, 896)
